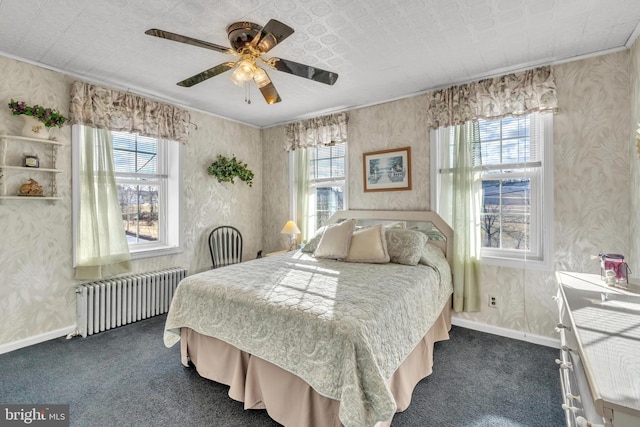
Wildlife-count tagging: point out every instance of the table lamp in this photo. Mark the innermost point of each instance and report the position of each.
(291, 229)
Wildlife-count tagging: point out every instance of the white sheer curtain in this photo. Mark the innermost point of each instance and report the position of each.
(302, 201)
(101, 244)
(459, 205)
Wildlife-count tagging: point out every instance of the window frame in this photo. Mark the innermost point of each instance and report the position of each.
(541, 215)
(170, 190)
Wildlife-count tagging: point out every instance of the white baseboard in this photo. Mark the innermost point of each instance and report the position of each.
(36, 339)
(505, 332)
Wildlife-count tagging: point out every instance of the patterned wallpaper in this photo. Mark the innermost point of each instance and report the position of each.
(391, 125)
(591, 194)
(592, 204)
(634, 158)
(275, 197)
(36, 280)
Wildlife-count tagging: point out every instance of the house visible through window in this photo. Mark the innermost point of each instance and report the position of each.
(510, 157)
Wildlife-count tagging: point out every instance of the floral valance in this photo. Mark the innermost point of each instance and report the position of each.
(324, 130)
(514, 94)
(111, 109)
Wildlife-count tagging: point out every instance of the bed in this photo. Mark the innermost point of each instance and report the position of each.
(318, 341)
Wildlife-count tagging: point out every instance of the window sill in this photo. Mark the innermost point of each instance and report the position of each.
(524, 264)
(155, 252)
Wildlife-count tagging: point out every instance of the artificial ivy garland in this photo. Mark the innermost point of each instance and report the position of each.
(48, 116)
(225, 170)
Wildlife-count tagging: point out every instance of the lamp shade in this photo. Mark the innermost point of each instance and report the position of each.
(290, 228)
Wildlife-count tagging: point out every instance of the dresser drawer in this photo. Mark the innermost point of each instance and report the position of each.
(577, 399)
(578, 402)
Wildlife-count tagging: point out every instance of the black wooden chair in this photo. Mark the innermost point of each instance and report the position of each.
(225, 245)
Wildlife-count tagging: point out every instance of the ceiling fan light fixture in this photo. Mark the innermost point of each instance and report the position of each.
(243, 72)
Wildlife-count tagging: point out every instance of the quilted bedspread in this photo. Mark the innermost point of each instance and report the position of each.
(342, 327)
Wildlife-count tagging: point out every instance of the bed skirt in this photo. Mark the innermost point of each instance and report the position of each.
(287, 398)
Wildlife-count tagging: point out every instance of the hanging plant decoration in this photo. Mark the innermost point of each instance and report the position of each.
(226, 169)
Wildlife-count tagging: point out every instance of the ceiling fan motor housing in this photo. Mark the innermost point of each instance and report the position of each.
(241, 34)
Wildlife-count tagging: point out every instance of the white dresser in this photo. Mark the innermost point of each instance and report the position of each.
(600, 356)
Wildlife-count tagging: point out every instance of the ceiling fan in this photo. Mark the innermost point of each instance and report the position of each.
(249, 42)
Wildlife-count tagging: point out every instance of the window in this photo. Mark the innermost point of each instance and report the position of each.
(324, 189)
(147, 174)
(326, 182)
(516, 195)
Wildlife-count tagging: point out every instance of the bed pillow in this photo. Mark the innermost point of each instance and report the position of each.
(312, 244)
(369, 245)
(405, 246)
(336, 240)
(432, 255)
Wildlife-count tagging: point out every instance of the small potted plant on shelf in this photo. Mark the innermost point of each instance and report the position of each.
(38, 119)
(225, 170)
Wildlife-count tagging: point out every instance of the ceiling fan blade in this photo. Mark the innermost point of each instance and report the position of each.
(270, 93)
(272, 34)
(266, 87)
(306, 71)
(187, 40)
(207, 74)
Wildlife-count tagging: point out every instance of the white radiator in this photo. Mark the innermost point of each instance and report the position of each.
(110, 303)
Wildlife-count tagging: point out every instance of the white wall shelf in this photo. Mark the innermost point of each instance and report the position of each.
(47, 151)
(24, 168)
(29, 198)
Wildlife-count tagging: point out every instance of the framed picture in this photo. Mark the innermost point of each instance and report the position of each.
(387, 170)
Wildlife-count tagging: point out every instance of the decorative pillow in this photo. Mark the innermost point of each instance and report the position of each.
(369, 245)
(336, 240)
(312, 244)
(431, 233)
(395, 225)
(405, 246)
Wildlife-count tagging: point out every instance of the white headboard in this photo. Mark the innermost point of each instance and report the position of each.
(372, 216)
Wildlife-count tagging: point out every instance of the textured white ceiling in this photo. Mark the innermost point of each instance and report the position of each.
(382, 50)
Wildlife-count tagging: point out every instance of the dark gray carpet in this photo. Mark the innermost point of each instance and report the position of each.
(126, 377)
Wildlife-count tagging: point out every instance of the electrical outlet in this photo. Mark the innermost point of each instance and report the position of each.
(493, 301)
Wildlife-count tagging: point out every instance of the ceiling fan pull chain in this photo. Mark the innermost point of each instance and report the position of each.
(247, 94)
